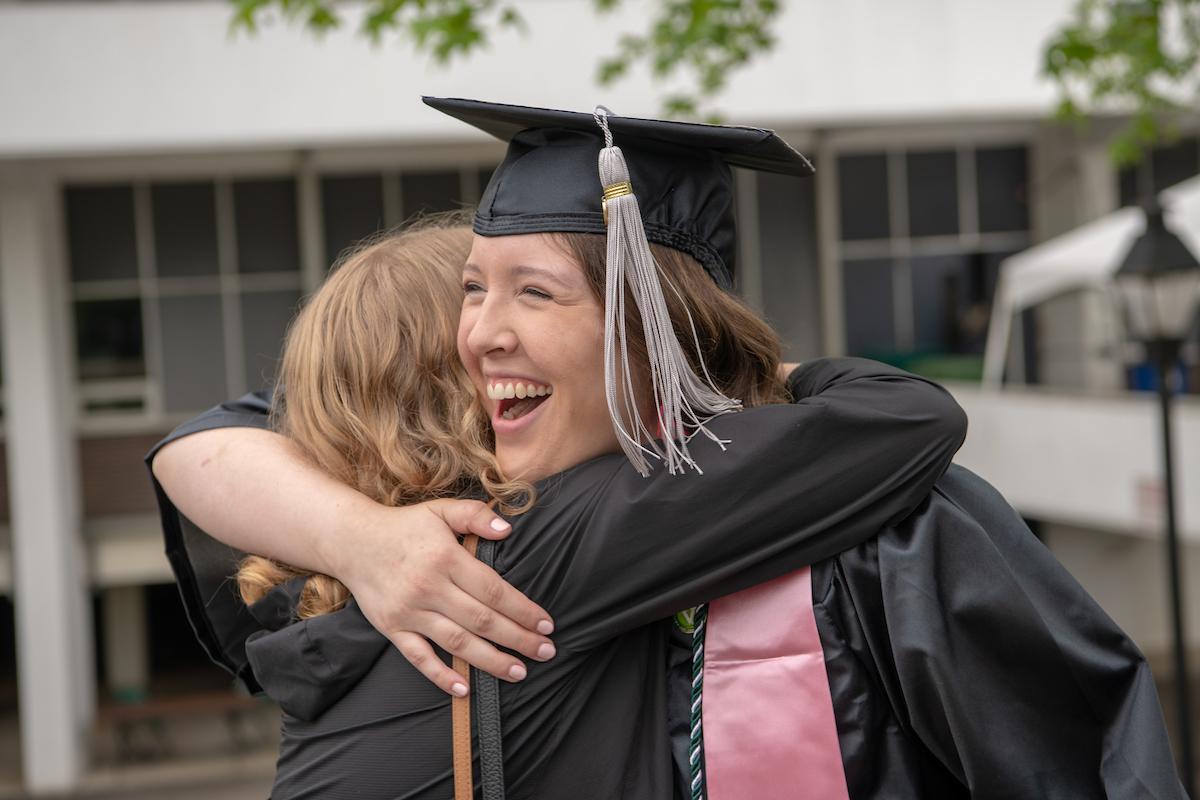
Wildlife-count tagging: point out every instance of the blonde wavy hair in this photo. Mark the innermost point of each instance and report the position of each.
(374, 394)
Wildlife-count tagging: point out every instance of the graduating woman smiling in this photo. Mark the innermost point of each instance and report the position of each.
(930, 622)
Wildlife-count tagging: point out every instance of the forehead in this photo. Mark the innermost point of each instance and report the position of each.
(523, 255)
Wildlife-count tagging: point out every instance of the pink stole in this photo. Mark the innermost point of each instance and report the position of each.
(769, 729)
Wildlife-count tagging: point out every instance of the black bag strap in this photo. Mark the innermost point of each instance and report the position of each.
(487, 711)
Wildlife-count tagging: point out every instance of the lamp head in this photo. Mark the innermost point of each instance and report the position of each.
(1159, 282)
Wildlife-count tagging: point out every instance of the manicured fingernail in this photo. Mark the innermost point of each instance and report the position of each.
(545, 627)
(500, 525)
(546, 651)
(459, 689)
(516, 672)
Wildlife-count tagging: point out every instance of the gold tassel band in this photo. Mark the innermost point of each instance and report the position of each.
(612, 192)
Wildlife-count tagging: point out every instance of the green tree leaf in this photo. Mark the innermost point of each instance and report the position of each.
(692, 43)
(1118, 54)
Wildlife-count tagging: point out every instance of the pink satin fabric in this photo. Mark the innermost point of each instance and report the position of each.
(769, 730)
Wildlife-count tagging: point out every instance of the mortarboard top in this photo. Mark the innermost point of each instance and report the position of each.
(549, 183)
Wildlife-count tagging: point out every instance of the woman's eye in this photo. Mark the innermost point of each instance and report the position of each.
(538, 293)
(470, 287)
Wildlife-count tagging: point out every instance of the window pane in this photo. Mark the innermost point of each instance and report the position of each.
(193, 342)
(1002, 175)
(353, 209)
(1175, 163)
(1127, 186)
(100, 238)
(863, 196)
(787, 224)
(932, 193)
(108, 339)
(265, 317)
(870, 315)
(987, 273)
(267, 232)
(185, 229)
(939, 296)
(952, 299)
(425, 192)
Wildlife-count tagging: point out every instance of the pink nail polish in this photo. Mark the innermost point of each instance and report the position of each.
(517, 672)
(500, 525)
(460, 689)
(545, 627)
(546, 652)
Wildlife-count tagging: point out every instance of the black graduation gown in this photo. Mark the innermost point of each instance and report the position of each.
(609, 554)
(965, 662)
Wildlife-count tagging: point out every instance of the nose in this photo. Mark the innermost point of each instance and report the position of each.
(491, 332)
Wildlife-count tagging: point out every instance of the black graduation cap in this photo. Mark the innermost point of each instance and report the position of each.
(679, 171)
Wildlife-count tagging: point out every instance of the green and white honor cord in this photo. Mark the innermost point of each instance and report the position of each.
(696, 749)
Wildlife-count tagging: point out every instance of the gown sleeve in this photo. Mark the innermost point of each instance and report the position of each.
(1001, 664)
(203, 566)
(605, 550)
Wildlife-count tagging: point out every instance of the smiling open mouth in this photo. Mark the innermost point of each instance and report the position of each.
(517, 398)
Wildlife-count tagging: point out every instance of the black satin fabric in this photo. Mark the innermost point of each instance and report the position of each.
(549, 181)
(965, 662)
(611, 556)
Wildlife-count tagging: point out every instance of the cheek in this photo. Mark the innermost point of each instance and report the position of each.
(465, 322)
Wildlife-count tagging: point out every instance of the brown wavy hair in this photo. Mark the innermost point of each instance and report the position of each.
(741, 351)
(374, 394)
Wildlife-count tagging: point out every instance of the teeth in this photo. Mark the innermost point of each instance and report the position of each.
(517, 390)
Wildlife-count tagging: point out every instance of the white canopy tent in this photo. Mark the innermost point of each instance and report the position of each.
(1085, 258)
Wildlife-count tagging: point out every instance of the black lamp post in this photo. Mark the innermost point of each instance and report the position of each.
(1159, 288)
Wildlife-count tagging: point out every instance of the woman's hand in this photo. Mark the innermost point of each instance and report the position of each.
(252, 490)
(413, 579)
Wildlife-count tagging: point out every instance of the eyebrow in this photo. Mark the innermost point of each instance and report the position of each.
(521, 271)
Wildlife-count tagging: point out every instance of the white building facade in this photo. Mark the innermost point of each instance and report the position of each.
(169, 193)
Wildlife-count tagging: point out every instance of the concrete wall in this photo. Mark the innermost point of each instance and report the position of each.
(138, 76)
(1085, 461)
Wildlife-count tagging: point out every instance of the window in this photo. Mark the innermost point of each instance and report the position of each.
(863, 191)
(356, 206)
(108, 337)
(1165, 166)
(100, 233)
(869, 306)
(163, 303)
(267, 227)
(182, 290)
(426, 192)
(923, 232)
(932, 189)
(185, 229)
(352, 207)
(787, 252)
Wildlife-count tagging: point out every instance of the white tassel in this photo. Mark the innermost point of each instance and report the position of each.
(682, 399)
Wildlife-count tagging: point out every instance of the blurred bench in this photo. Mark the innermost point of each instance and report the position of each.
(142, 728)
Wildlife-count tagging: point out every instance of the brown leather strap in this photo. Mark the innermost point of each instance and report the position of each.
(464, 784)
